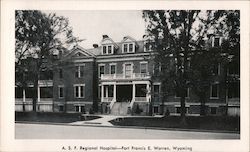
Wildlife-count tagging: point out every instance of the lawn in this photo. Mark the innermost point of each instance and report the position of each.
(223, 123)
(55, 117)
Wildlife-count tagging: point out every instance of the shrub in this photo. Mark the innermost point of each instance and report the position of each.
(138, 110)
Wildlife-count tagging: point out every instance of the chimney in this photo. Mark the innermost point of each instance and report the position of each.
(95, 45)
(105, 36)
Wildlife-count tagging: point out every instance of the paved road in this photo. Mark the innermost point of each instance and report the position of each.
(45, 131)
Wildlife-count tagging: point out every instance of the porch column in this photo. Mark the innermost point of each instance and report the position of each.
(102, 93)
(107, 93)
(38, 93)
(148, 96)
(114, 92)
(133, 95)
(24, 97)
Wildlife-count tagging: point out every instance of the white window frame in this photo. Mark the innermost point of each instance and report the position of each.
(112, 64)
(99, 69)
(218, 90)
(144, 62)
(79, 105)
(128, 43)
(107, 45)
(59, 87)
(79, 90)
(158, 109)
(124, 68)
(213, 39)
(79, 70)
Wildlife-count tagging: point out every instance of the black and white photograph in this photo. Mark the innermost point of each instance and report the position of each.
(129, 74)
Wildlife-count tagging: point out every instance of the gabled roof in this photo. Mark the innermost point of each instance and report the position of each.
(77, 52)
(111, 41)
(129, 39)
(125, 38)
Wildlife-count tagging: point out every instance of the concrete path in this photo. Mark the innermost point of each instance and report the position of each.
(103, 121)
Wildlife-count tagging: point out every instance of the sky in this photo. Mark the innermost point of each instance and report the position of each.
(91, 25)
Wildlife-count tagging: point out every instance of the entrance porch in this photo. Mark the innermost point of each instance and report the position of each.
(121, 97)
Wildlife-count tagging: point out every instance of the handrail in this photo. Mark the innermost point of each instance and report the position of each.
(112, 103)
(131, 103)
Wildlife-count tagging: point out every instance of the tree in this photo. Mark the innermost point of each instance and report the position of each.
(38, 36)
(179, 38)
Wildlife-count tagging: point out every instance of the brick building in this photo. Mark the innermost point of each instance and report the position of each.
(120, 78)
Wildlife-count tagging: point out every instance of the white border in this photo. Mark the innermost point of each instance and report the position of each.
(8, 142)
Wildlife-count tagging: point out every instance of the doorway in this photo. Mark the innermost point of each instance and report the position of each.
(124, 93)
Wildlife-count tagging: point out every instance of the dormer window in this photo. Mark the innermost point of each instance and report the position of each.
(107, 49)
(128, 48)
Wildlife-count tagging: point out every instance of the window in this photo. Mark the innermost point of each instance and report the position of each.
(234, 90)
(144, 67)
(216, 69)
(213, 110)
(131, 47)
(101, 70)
(156, 109)
(128, 70)
(80, 109)
(156, 93)
(125, 48)
(178, 93)
(46, 92)
(112, 69)
(104, 49)
(157, 69)
(141, 90)
(60, 73)
(79, 90)
(216, 41)
(214, 93)
(61, 91)
(61, 108)
(107, 49)
(79, 71)
(128, 48)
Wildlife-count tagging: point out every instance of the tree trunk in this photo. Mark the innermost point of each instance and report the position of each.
(203, 107)
(183, 108)
(35, 94)
(34, 99)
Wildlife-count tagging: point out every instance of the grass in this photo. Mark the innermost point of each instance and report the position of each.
(223, 123)
(55, 117)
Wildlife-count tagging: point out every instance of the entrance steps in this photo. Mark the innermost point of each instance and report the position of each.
(120, 108)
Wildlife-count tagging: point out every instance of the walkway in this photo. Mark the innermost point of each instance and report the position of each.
(103, 121)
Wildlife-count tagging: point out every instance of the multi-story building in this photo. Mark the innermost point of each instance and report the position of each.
(121, 78)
